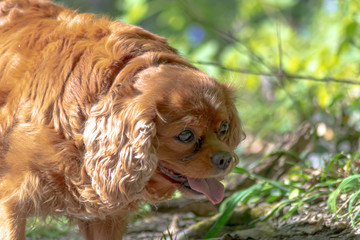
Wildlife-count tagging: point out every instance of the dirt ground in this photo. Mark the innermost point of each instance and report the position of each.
(186, 219)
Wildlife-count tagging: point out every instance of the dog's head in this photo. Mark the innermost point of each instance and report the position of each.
(164, 126)
(197, 129)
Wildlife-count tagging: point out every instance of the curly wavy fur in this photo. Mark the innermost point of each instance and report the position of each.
(86, 114)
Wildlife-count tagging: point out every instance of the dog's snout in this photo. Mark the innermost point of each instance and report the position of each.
(222, 160)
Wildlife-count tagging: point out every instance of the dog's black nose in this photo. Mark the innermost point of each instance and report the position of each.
(222, 160)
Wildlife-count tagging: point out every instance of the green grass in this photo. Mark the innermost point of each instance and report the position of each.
(335, 181)
(302, 185)
(57, 229)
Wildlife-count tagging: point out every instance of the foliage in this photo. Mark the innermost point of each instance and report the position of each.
(295, 58)
(350, 184)
(49, 228)
(167, 236)
(301, 186)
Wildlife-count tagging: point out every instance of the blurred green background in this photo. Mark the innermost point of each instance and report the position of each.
(290, 60)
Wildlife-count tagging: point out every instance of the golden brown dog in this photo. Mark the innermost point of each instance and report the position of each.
(97, 116)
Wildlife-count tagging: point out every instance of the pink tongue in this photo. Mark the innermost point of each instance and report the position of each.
(210, 187)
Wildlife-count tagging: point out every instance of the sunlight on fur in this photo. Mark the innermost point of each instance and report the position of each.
(97, 116)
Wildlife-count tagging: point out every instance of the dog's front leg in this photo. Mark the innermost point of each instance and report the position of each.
(108, 229)
(12, 220)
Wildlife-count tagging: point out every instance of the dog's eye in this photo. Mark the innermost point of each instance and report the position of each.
(185, 136)
(224, 127)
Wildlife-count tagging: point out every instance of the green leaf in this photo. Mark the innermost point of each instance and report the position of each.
(351, 208)
(241, 171)
(350, 29)
(344, 184)
(343, 47)
(330, 164)
(292, 209)
(294, 193)
(228, 207)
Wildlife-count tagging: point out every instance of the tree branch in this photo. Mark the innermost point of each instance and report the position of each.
(225, 35)
(282, 74)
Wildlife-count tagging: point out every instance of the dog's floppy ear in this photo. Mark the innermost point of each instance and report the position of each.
(120, 157)
(236, 133)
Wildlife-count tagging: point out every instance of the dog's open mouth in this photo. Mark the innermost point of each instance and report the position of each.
(210, 187)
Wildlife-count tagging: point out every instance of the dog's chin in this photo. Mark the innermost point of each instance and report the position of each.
(194, 187)
(180, 181)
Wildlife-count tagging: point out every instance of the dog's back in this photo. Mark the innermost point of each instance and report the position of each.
(45, 50)
(97, 115)
(55, 64)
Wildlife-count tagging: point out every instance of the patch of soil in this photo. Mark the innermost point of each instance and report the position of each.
(192, 220)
